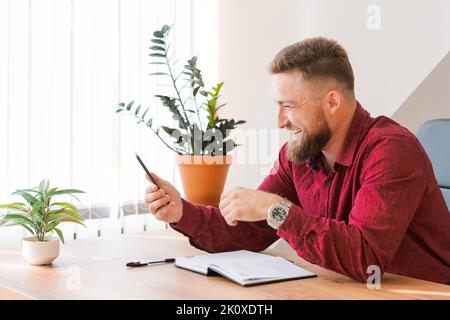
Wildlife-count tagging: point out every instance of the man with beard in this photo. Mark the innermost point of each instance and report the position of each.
(348, 191)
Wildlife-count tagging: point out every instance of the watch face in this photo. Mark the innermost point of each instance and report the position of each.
(279, 213)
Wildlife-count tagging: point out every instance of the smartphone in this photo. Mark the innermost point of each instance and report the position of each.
(146, 170)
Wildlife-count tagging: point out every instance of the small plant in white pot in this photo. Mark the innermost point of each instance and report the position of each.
(40, 215)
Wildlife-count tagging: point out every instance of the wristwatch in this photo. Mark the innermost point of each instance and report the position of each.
(278, 212)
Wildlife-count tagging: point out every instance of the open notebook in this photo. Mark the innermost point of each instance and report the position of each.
(244, 267)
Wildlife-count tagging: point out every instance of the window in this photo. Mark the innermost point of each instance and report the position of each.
(64, 66)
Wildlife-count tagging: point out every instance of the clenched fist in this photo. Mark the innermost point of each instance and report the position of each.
(241, 204)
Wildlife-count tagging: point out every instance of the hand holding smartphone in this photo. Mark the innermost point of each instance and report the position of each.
(172, 210)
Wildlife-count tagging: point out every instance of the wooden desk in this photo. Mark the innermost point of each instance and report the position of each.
(95, 269)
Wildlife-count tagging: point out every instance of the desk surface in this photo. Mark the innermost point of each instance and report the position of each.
(95, 269)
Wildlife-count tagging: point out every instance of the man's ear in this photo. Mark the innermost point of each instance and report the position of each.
(334, 101)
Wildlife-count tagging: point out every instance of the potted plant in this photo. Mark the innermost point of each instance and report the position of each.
(201, 138)
(40, 215)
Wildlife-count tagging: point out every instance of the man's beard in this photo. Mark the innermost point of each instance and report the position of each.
(311, 143)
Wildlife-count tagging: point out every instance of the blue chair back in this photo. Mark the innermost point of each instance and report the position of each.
(434, 135)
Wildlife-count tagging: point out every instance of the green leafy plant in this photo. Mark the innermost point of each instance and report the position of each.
(39, 214)
(194, 108)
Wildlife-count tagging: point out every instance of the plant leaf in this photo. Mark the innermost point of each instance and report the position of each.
(158, 34)
(136, 112)
(160, 55)
(130, 105)
(26, 227)
(158, 74)
(28, 190)
(57, 215)
(168, 130)
(65, 204)
(67, 191)
(158, 41)
(194, 92)
(157, 48)
(19, 206)
(53, 214)
(18, 217)
(69, 219)
(42, 186)
(60, 234)
(144, 114)
(165, 28)
(32, 201)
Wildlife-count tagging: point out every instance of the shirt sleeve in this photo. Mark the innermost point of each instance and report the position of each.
(393, 182)
(207, 229)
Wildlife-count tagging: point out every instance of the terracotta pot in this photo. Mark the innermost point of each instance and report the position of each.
(203, 177)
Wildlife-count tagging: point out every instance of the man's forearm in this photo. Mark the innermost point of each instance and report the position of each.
(333, 244)
(207, 230)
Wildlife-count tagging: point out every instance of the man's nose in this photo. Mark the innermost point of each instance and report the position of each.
(282, 119)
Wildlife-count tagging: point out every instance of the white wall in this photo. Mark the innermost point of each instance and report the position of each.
(251, 32)
(389, 62)
(431, 99)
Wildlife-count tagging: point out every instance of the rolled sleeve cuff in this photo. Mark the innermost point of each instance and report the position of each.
(296, 225)
(190, 219)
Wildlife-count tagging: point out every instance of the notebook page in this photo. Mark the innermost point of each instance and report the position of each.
(246, 267)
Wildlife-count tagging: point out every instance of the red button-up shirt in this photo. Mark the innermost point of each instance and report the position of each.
(379, 205)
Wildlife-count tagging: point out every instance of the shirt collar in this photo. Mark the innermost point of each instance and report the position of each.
(312, 163)
(345, 155)
(348, 149)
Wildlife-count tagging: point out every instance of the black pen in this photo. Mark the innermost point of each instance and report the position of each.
(143, 264)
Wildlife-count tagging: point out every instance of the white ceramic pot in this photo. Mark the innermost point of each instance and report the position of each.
(40, 252)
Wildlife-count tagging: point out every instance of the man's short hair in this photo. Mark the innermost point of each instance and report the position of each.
(316, 58)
